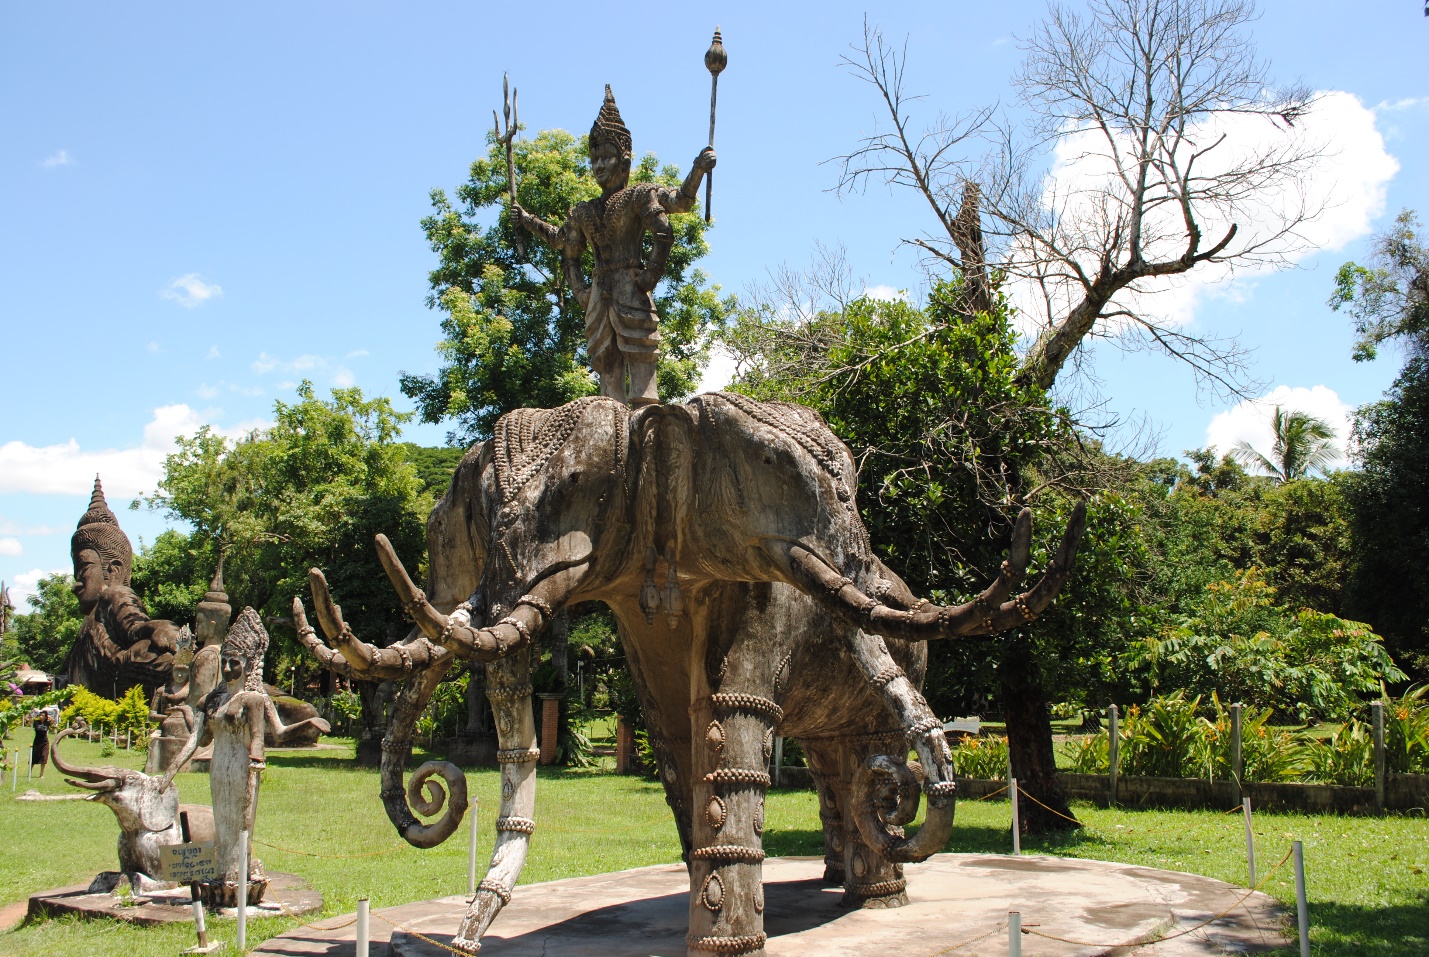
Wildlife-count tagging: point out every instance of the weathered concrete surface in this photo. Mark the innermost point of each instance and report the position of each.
(286, 893)
(953, 899)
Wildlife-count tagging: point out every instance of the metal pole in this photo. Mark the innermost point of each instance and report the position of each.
(1249, 841)
(1014, 934)
(1016, 823)
(1376, 710)
(1113, 748)
(15, 772)
(471, 853)
(1237, 750)
(242, 933)
(1302, 905)
(363, 934)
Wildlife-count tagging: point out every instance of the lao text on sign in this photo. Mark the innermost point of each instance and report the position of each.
(186, 863)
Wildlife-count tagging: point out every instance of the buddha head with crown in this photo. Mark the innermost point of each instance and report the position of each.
(100, 551)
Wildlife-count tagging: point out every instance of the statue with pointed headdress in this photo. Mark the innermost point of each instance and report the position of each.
(119, 645)
(622, 326)
(234, 718)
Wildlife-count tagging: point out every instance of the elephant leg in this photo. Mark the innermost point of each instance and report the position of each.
(733, 739)
(870, 879)
(508, 688)
(825, 768)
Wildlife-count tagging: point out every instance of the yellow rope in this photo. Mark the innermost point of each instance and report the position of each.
(950, 949)
(421, 937)
(314, 925)
(331, 857)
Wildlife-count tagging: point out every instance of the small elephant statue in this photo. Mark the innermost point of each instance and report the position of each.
(148, 820)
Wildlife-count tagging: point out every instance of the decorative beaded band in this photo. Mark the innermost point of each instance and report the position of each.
(497, 888)
(727, 945)
(517, 755)
(737, 776)
(518, 825)
(540, 604)
(452, 623)
(397, 746)
(391, 794)
(506, 694)
(885, 675)
(1021, 602)
(410, 607)
(406, 657)
(728, 854)
(740, 701)
(879, 888)
(940, 788)
(516, 623)
(913, 608)
(923, 727)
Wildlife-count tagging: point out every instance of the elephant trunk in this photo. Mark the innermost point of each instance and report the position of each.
(987, 614)
(877, 816)
(423, 795)
(95, 779)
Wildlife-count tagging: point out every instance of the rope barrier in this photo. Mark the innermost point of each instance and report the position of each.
(332, 857)
(422, 937)
(950, 949)
(314, 924)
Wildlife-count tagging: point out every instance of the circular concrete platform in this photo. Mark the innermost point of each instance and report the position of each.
(958, 903)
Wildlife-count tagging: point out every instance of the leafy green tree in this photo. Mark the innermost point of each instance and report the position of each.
(171, 575)
(44, 636)
(1389, 299)
(1301, 444)
(435, 466)
(513, 332)
(1389, 585)
(312, 490)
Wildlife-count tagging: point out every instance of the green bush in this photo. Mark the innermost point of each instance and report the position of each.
(981, 757)
(1346, 757)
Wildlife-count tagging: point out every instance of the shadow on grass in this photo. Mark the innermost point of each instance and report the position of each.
(1342, 930)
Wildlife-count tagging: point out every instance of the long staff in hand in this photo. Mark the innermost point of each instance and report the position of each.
(513, 123)
(715, 61)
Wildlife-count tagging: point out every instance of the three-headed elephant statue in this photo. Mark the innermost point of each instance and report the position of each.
(725, 536)
(148, 820)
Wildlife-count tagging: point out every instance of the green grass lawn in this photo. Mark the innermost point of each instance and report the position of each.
(1369, 890)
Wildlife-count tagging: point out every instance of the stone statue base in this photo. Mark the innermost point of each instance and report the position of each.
(284, 894)
(954, 899)
(217, 894)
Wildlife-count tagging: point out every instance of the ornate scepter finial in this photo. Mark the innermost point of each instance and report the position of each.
(715, 61)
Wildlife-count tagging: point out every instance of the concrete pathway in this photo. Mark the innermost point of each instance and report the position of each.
(958, 905)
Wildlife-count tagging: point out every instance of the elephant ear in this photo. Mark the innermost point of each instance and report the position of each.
(157, 809)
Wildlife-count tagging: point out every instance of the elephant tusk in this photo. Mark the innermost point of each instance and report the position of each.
(987, 614)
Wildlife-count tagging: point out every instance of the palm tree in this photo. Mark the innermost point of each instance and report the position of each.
(1303, 444)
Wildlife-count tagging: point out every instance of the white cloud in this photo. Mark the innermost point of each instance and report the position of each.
(67, 469)
(11, 546)
(307, 362)
(1249, 421)
(719, 373)
(8, 527)
(152, 346)
(57, 159)
(27, 584)
(213, 352)
(190, 290)
(886, 293)
(206, 391)
(1347, 185)
(358, 354)
(343, 378)
(1406, 103)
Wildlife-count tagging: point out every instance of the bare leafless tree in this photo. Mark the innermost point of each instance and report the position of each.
(1137, 161)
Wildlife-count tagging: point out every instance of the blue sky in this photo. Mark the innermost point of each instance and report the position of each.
(203, 205)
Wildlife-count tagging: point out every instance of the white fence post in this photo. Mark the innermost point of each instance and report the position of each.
(364, 934)
(1014, 934)
(1113, 747)
(471, 853)
(1302, 905)
(1249, 841)
(1016, 824)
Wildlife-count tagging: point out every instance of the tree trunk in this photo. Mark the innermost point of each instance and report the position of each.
(1029, 739)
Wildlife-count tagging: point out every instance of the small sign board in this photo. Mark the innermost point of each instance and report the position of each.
(186, 863)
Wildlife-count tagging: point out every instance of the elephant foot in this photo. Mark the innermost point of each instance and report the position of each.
(833, 876)
(875, 896)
